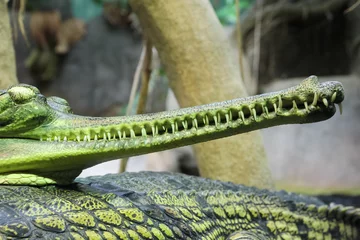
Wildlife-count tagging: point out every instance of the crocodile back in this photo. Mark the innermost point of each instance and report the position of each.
(151, 205)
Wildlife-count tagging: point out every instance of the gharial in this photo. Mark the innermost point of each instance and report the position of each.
(43, 147)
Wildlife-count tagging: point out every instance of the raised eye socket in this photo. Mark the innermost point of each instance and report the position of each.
(22, 93)
(59, 100)
(34, 89)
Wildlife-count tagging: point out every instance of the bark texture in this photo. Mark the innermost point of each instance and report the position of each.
(198, 61)
(7, 55)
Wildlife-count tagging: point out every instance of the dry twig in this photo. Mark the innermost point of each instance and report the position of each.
(352, 7)
(144, 69)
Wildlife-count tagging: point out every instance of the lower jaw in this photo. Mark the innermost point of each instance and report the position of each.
(34, 154)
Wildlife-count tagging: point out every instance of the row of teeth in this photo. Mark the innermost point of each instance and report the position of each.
(184, 124)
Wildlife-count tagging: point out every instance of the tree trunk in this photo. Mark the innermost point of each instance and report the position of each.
(198, 61)
(7, 55)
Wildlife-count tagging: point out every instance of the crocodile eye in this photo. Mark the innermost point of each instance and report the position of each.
(58, 100)
(21, 94)
(59, 104)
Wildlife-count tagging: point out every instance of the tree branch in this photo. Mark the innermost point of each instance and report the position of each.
(197, 58)
(7, 55)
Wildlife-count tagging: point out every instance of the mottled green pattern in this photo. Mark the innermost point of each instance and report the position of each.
(167, 206)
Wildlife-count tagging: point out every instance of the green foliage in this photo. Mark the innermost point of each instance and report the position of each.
(85, 9)
(122, 3)
(226, 9)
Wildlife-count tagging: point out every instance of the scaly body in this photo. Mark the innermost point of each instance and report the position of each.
(42, 143)
(149, 205)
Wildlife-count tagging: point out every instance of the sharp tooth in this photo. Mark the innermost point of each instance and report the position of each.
(85, 138)
(153, 130)
(185, 125)
(266, 110)
(78, 138)
(254, 113)
(230, 115)
(241, 113)
(143, 132)
(316, 98)
(295, 105)
(109, 136)
(216, 121)
(104, 136)
(207, 119)
(156, 130)
(41, 139)
(333, 97)
(132, 133)
(280, 102)
(306, 106)
(65, 139)
(119, 134)
(173, 127)
(219, 117)
(55, 138)
(124, 134)
(95, 137)
(275, 108)
(340, 108)
(176, 126)
(195, 124)
(325, 101)
(227, 118)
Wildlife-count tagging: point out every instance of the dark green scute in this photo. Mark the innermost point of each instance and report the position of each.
(346, 200)
(161, 181)
(11, 223)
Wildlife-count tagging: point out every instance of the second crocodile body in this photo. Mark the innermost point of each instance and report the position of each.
(149, 205)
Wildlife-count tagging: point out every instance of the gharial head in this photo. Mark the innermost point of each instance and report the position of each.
(41, 136)
(26, 113)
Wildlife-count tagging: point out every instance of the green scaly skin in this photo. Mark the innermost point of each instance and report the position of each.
(149, 205)
(152, 205)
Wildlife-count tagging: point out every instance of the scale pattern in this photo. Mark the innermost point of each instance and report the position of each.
(150, 205)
